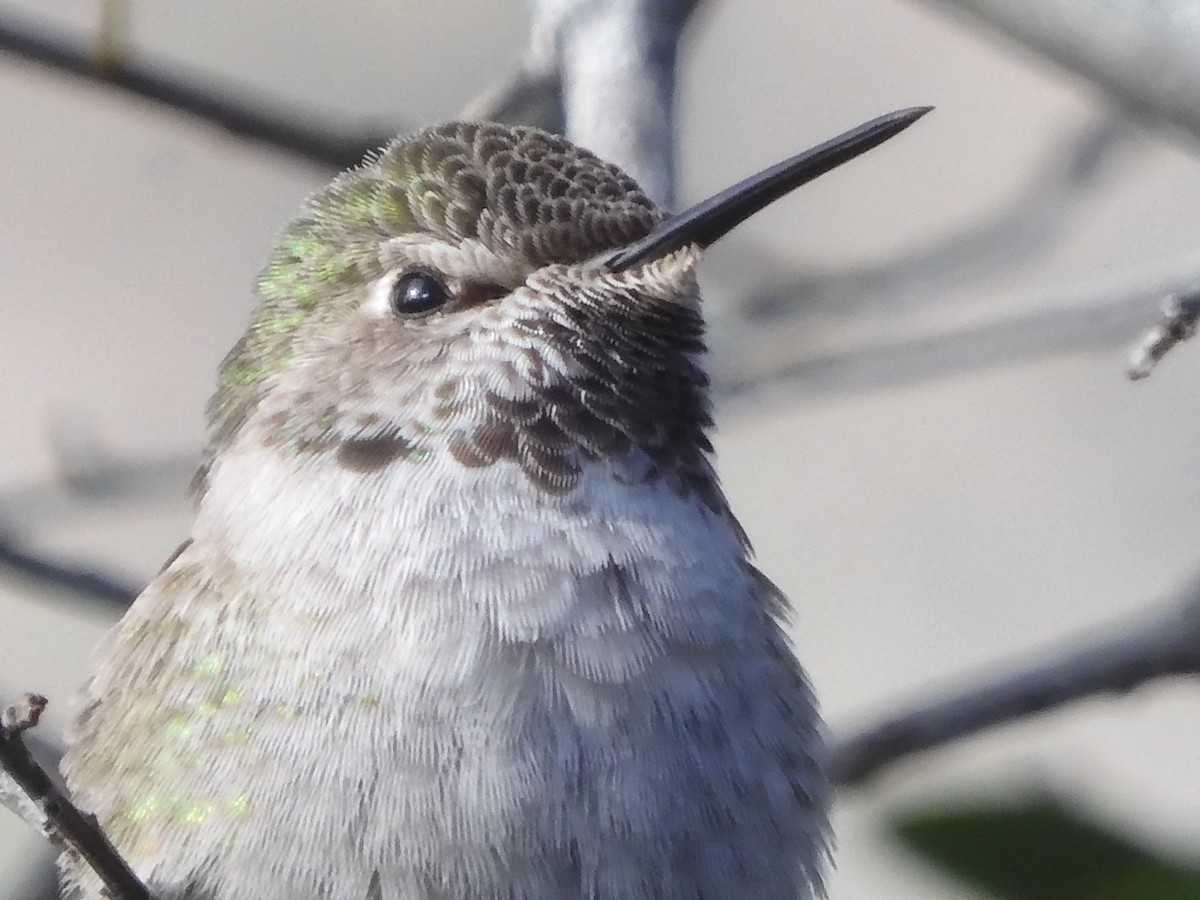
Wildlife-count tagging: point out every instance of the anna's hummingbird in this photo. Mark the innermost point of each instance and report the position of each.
(464, 613)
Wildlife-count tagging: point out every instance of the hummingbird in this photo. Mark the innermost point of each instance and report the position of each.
(464, 613)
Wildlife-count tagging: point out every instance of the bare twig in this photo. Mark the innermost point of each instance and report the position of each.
(57, 817)
(252, 120)
(15, 720)
(1025, 229)
(750, 361)
(1168, 646)
(871, 326)
(1180, 312)
(1144, 53)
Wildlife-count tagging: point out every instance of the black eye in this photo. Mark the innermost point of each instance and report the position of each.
(417, 293)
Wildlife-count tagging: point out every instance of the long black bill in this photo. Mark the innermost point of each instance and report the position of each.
(712, 219)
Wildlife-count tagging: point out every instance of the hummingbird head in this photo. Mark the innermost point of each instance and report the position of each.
(492, 294)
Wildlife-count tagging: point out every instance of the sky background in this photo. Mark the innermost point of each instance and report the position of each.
(925, 529)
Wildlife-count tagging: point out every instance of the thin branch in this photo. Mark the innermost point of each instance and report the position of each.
(247, 118)
(98, 588)
(1180, 313)
(861, 328)
(83, 491)
(749, 361)
(1023, 230)
(1145, 54)
(90, 477)
(57, 817)
(1167, 647)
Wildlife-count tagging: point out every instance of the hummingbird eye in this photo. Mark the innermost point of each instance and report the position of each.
(416, 293)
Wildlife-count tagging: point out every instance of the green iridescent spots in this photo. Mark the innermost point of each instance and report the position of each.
(246, 372)
(235, 737)
(239, 806)
(150, 809)
(284, 323)
(392, 205)
(210, 666)
(194, 813)
(287, 711)
(314, 676)
(287, 430)
(178, 728)
(144, 809)
(313, 260)
(363, 203)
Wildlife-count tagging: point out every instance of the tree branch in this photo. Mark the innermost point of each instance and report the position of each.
(871, 325)
(1021, 231)
(1180, 313)
(617, 64)
(252, 120)
(1169, 646)
(97, 587)
(31, 794)
(751, 361)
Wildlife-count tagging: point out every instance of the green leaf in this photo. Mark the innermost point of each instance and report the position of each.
(1043, 851)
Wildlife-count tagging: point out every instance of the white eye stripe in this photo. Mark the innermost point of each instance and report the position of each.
(378, 304)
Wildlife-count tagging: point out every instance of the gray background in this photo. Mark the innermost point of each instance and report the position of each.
(924, 528)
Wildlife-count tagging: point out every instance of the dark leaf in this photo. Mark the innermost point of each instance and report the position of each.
(1043, 851)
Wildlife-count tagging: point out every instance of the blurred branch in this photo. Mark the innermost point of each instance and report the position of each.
(1145, 54)
(91, 477)
(531, 97)
(845, 329)
(28, 790)
(88, 475)
(251, 119)
(744, 362)
(143, 482)
(1023, 230)
(110, 36)
(534, 95)
(88, 467)
(1169, 646)
(616, 65)
(1180, 312)
(86, 584)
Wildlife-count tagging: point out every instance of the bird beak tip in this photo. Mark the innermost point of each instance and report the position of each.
(707, 222)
